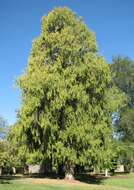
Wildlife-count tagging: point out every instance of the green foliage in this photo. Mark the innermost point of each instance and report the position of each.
(5, 159)
(117, 99)
(3, 127)
(16, 151)
(123, 77)
(126, 124)
(35, 157)
(17, 144)
(127, 156)
(122, 69)
(126, 131)
(65, 113)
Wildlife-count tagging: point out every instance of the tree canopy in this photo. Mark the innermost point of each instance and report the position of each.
(66, 110)
(123, 77)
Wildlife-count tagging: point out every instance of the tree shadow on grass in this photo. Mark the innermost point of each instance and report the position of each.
(7, 179)
(2, 181)
(85, 178)
(90, 179)
(48, 175)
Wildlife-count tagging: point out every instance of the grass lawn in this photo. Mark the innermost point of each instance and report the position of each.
(123, 182)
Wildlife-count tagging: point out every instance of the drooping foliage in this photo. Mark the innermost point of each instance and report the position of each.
(65, 113)
(17, 144)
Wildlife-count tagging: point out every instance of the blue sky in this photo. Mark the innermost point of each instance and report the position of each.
(20, 23)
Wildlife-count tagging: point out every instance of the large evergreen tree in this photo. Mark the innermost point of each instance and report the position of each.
(66, 113)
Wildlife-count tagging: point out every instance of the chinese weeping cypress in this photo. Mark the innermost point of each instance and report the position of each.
(65, 113)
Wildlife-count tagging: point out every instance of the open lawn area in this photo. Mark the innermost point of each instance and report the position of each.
(120, 182)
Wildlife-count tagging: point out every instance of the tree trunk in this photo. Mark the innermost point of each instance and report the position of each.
(96, 170)
(14, 170)
(131, 170)
(106, 173)
(69, 171)
(0, 170)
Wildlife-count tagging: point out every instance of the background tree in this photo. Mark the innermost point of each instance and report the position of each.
(11, 154)
(65, 112)
(3, 144)
(3, 127)
(123, 77)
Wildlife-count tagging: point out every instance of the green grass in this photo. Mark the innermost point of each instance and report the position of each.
(125, 182)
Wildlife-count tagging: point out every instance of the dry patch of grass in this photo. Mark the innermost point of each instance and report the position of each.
(68, 184)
